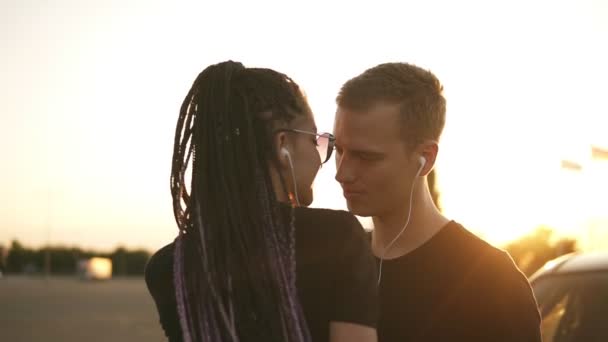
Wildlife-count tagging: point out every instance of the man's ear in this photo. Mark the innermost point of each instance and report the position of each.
(428, 150)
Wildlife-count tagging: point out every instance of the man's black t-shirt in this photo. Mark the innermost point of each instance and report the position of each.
(335, 274)
(456, 287)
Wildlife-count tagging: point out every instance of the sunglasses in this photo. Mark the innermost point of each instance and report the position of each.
(325, 142)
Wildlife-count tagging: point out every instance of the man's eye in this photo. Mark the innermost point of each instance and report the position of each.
(367, 156)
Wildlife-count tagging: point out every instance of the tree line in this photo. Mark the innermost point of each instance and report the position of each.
(19, 259)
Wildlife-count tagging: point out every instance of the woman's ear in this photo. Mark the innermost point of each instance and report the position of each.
(280, 150)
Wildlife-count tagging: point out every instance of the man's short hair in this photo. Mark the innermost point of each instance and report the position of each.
(417, 93)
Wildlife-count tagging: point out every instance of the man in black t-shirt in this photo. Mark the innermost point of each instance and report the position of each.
(437, 281)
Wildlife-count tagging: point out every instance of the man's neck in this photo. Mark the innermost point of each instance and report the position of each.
(424, 223)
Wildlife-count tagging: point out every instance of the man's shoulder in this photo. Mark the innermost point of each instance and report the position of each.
(503, 291)
(480, 256)
(468, 243)
(489, 264)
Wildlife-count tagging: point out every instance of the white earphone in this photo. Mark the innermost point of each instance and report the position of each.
(422, 161)
(285, 153)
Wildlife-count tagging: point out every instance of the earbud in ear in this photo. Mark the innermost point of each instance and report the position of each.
(422, 162)
(285, 153)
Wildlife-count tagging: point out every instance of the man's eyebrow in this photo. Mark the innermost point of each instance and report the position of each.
(368, 152)
(362, 151)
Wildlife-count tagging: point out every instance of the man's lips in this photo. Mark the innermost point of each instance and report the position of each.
(348, 193)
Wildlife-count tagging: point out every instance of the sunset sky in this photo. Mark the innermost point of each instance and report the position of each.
(90, 91)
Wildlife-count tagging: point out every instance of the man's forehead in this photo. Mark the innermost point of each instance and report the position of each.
(378, 124)
(380, 111)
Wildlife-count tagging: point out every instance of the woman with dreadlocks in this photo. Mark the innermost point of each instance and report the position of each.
(251, 262)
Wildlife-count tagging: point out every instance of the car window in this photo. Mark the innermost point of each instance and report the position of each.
(574, 307)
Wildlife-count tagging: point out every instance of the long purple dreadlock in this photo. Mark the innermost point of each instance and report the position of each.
(234, 262)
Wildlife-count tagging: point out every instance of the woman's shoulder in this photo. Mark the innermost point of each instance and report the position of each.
(159, 268)
(327, 217)
(162, 256)
(328, 224)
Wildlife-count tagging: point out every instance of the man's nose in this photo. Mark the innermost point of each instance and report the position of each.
(344, 169)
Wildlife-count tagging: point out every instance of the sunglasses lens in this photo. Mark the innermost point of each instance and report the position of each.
(323, 146)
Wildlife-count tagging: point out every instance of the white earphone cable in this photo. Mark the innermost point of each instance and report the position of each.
(407, 222)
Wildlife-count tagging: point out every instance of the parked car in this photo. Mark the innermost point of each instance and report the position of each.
(572, 295)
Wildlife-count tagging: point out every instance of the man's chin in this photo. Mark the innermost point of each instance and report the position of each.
(357, 208)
